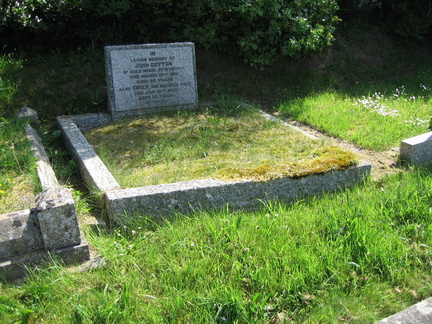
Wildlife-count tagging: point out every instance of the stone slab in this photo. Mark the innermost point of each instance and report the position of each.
(150, 78)
(88, 121)
(164, 200)
(19, 233)
(417, 149)
(30, 114)
(18, 267)
(92, 169)
(420, 313)
(57, 218)
(46, 174)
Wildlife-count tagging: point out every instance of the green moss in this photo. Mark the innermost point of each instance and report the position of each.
(327, 158)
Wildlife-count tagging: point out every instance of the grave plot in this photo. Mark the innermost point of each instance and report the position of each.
(295, 169)
(188, 146)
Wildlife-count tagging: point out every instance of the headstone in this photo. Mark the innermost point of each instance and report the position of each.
(150, 78)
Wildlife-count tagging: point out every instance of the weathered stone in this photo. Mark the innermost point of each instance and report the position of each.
(57, 218)
(163, 200)
(417, 149)
(26, 112)
(93, 170)
(17, 267)
(89, 121)
(45, 172)
(420, 313)
(149, 78)
(19, 234)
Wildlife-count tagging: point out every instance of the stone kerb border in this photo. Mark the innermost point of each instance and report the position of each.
(29, 237)
(420, 313)
(162, 200)
(417, 150)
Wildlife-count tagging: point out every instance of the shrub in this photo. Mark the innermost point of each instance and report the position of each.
(259, 31)
(271, 29)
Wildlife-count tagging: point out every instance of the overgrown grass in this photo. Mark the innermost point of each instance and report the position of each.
(210, 144)
(355, 257)
(18, 178)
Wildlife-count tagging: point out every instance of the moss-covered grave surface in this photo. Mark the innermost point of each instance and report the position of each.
(209, 143)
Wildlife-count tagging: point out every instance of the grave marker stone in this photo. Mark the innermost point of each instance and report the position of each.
(150, 78)
(417, 150)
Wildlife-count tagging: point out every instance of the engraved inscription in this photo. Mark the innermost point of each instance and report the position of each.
(152, 76)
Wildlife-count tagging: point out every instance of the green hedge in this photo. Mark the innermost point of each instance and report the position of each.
(259, 31)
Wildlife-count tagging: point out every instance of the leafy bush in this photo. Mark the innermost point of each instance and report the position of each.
(260, 31)
(270, 29)
(43, 22)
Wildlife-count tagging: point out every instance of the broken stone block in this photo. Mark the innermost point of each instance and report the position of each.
(417, 149)
(57, 218)
(19, 234)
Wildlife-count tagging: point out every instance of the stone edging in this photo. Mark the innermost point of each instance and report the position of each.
(163, 200)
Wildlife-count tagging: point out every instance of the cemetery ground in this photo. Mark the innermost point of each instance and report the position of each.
(354, 256)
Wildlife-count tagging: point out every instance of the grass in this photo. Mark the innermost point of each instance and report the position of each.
(355, 256)
(53, 83)
(378, 121)
(18, 178)
(210, 144)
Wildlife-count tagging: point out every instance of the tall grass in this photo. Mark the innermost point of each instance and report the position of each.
(17, 173)
(356, 256)
(18, 178)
